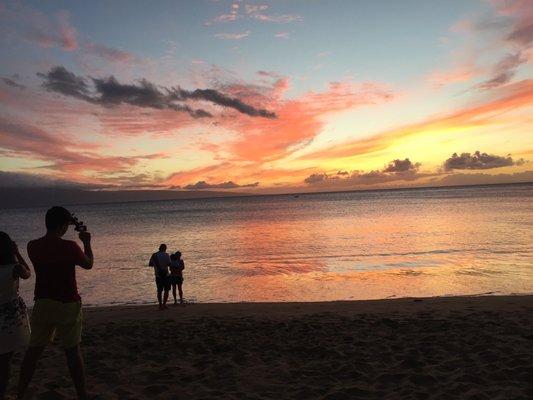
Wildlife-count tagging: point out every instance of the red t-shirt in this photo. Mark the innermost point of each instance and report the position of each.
(54, 261)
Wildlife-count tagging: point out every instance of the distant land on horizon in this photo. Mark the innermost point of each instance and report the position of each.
(39, 197)
(45, 197)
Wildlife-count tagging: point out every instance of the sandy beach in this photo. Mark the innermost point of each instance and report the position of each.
(431, 348)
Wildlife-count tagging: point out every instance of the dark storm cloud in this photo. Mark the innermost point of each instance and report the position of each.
(200, 185)
(109, 92)
(479, 161)
(12, 83)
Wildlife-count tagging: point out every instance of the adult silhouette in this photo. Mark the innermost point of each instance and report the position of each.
(57, 310)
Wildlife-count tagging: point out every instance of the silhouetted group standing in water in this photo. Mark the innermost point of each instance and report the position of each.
(57, 312)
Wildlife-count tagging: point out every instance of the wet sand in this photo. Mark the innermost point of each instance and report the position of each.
(437, 348)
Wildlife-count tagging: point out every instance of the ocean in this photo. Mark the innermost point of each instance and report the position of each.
(311, 247)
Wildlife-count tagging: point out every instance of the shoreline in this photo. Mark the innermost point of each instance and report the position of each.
(195, 303)
(404, 304)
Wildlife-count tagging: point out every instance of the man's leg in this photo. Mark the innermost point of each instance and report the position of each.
(180, 289)
(5, 361)
(165, 297)
(77, 371)
(160, 297)
(28, 368)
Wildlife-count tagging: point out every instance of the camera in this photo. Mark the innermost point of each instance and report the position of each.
(79, 226)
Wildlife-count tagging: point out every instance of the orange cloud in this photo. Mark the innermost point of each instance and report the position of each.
(35, 27)
(299, 120)
(238, 171)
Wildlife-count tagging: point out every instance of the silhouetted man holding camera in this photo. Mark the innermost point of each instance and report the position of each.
(57, 310)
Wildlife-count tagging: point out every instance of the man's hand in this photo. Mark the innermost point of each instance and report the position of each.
(85, 237)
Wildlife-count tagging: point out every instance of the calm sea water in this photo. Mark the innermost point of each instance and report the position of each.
(337, 246)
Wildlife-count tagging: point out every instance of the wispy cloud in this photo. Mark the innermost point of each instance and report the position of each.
(19, 139)
(283, 35)
(55, 31)
(50, 33)
(280, 18)
(503, 71)
(521, 29)
(256, 12)
(232, 36)
(12, 83)
(109, 54)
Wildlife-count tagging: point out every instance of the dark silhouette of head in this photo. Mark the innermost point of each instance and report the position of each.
(173, 257)
(178, 254)
(7, 249)
(57, 220)
(162, 247)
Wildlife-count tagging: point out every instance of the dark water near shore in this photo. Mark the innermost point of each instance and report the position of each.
(357, 245)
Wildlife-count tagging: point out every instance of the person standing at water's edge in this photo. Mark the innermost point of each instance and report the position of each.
(14, 327)
(161, 261)
(176, 275)
(57, 307)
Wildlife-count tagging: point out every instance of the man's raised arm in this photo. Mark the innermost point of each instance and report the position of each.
(88, 262)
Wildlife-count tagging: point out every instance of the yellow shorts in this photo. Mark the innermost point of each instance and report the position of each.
(52, 318)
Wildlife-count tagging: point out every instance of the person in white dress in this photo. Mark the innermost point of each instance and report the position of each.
(14, 326)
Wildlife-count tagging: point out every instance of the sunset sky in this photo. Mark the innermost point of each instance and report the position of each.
(267, 96)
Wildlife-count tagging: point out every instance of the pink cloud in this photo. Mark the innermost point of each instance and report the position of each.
(232, 36)
(281, 19)
(41, 30)
(521, 31)
(108, 53)
(283, 35)
(459, 73)
(255, 8)
(68, 157)
(129, 121)
(232, 16)
(255, 12)
(67, 32)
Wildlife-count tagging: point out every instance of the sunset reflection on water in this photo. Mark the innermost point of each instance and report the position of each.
(318, 247)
